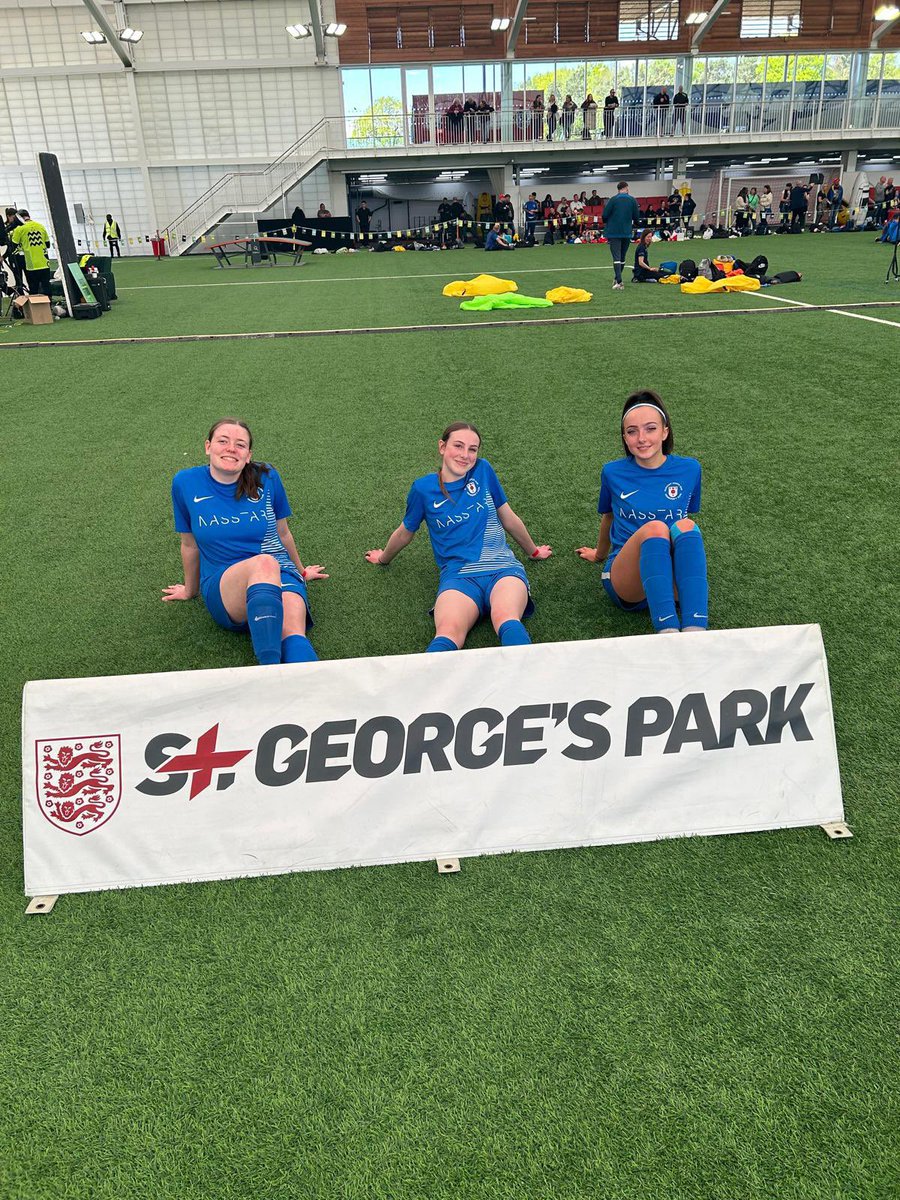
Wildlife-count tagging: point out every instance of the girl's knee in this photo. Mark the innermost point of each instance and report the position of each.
(655, 529)
(452, 630)
(685, 525)
(265, 567)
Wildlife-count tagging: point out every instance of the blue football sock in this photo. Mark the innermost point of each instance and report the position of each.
(297, 648)
(265, 616)
(513, 633)
(689, 557)
(655, 566)
(439, 645)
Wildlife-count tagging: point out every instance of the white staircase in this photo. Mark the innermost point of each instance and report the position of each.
(248, 191)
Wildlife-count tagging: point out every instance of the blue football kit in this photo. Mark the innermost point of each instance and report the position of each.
(229, 531)
(635, 495)
(467, 538)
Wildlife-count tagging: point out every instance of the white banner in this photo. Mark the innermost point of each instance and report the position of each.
(150, 779)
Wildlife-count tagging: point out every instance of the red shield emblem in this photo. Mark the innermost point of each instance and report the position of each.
(79, 781)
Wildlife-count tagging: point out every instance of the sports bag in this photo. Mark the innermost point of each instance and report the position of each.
(687, 270)
(786, 277)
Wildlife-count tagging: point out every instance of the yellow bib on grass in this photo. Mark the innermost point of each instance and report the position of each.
(567, 295)
(481, 285)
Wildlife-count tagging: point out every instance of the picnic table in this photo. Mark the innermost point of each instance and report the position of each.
(252, 249)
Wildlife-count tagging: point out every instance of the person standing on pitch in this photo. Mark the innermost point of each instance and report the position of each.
(468, 517)
(620, 214)
(649, 546)
(33, 240)
(112, 235)
(237, 550)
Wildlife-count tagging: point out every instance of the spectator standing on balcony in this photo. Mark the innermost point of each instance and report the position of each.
(589, 117)
(454, 123)
(323, 212)
(661, 104)
(537, 119)
(610, 104)
(620, 215)
(680, 102)
(470, 113)
(485, 112)
(569, 110)
(552, 117)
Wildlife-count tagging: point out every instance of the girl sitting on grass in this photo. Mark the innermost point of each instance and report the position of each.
(468, 517)
(237, 550)
(649, 547)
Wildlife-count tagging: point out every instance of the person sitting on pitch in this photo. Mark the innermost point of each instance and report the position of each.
(497, 240)
(643, 272)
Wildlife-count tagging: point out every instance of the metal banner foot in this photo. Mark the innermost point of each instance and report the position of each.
(447, 866)
(837, 830)
(40, 905)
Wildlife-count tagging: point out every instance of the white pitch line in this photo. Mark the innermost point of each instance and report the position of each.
(837, 312)
(155, 287)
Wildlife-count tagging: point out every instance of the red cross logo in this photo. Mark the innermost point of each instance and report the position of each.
(204, 761)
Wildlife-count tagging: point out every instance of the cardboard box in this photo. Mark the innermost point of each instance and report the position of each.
(37, 311)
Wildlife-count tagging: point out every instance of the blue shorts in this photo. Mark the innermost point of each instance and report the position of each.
(611, 591)
(291, 581)
(479, 587)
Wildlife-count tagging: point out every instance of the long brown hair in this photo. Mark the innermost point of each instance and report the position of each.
(654, 400)
(249, 481)
(451, 429)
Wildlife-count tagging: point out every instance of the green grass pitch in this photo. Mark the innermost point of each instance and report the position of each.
(707, 1019)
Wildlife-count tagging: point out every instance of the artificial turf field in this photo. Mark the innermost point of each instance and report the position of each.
(706, 1018)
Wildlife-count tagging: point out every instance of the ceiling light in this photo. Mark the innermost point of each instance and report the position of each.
(298, 31)
(92, 37)
(500, 24)
(335, 29)
(130, 35)
(887, 12)
(696, 18)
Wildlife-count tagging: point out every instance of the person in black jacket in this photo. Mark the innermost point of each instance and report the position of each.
(14, 257)
(799, 202)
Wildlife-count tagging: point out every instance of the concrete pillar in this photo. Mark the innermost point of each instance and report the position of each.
(859, 70)
(679, 167)
(506, 101)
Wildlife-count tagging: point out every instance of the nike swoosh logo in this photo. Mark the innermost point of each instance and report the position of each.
(270, 617)
(625, 495)
(197, 499)
(668, 618)
(438, 503)
(701, 616)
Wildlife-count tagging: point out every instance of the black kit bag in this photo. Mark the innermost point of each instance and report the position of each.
(86, 312)
(786, 277)
(687, 270)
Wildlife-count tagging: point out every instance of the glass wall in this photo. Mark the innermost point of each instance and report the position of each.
(455, 102)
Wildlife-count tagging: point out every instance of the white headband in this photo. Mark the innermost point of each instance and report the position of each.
(645, 404)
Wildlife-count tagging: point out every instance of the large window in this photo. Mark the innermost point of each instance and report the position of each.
(648, 20)
(770, 18)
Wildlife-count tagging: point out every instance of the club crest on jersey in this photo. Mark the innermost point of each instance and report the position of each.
(472, 487)
(673, 491)
(79, 781)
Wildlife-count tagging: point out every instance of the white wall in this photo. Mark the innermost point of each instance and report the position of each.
(217, 86)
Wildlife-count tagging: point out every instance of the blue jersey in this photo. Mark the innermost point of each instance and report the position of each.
(228, 531)
(635, 495)
(465, 531)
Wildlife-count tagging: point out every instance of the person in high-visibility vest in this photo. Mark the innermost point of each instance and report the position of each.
(32, 240)
(111, 235)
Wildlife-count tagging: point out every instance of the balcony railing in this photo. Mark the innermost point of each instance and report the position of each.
(704, 122)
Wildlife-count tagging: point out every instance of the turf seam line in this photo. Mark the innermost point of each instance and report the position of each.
(158, 287)
(445, 328)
